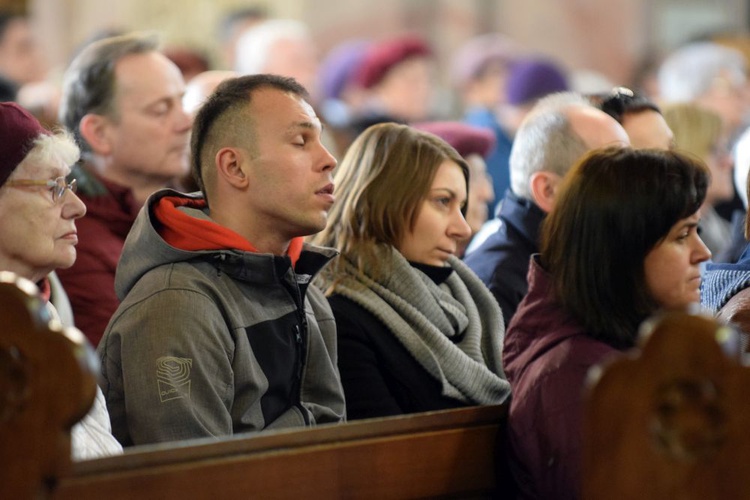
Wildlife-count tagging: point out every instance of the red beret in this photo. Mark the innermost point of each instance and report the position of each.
(466, 139)
(18, 129)
(382, 56)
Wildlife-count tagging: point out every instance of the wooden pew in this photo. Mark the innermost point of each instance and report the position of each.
(439, 454)
(436, 454)
(671, 422)
(46, 385)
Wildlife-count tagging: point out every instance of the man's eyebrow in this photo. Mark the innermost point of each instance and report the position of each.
(308, 125)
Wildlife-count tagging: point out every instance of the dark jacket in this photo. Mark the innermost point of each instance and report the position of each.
(502, 261)
(90, 282)
(547, 356)
(218, 341)
(379, 376)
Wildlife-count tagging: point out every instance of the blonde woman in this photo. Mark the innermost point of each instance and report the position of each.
(701, 132)
(417, 330)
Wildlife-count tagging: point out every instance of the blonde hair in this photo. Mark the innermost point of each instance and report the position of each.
(380, 184)
(696, 130)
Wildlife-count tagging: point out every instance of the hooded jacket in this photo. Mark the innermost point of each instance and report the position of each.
(547, 356)
(212, 338)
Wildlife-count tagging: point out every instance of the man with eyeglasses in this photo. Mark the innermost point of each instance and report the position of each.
(38, 214)
(122, 100)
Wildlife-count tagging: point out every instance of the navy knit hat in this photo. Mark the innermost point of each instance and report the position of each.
(18, 130)
(533, 79)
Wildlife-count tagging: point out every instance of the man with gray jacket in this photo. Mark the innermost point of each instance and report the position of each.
(218, 331)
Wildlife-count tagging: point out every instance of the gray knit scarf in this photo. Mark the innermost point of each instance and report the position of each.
(454, 330)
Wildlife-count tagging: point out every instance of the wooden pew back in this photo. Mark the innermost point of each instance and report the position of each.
(449, 453)
(671, 422)
(46, 385)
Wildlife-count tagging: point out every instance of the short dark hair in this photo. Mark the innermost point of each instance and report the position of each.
(233, 94)
(613, 207)
(621, 101)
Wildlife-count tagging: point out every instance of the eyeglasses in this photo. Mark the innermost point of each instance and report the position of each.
(57, 186)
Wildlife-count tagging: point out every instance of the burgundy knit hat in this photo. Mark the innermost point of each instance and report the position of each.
(18, 129)
(382, 56)
(466, 139)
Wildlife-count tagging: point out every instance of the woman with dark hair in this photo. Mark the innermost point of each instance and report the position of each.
(417, 330)
(621, 242)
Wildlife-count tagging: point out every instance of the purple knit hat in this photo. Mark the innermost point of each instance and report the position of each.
(339, 66)
(533, 79)
(18, 129)
(466, 139)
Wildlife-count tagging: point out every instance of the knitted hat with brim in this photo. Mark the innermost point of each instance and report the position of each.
(18, 130)
(466, 139)
(381, 57)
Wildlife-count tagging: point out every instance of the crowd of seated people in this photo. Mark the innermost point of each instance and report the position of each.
(299, 243)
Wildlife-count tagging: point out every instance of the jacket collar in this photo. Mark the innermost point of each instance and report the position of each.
(523, 215)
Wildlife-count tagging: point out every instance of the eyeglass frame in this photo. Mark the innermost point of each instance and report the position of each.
(60, 183)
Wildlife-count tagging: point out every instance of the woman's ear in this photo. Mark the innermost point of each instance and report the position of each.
(95, 130)
(543, 186)
(230, 167)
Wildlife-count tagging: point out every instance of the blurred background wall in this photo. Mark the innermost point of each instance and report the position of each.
(611, 37)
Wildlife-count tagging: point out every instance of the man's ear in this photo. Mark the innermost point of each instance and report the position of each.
(94, 129)
(543, 186)
(230, 167)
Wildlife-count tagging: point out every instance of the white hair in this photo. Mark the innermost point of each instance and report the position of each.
(255, 45)
(689, 72)
(742, 165)
(201, 86)
(56, 147)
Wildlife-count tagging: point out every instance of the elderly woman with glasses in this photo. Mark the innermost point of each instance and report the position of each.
(38, 210)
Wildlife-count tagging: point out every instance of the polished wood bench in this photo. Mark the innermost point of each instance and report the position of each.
(671, 421)
(47, 384)
(450, 453)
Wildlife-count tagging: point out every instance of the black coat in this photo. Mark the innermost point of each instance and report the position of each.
(502, 260)
(380, 377)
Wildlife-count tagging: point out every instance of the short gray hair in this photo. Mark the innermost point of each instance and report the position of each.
(690, 71)
(89, 82)
(546, 141)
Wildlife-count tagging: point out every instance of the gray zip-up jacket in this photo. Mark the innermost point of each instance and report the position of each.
(216, 342)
